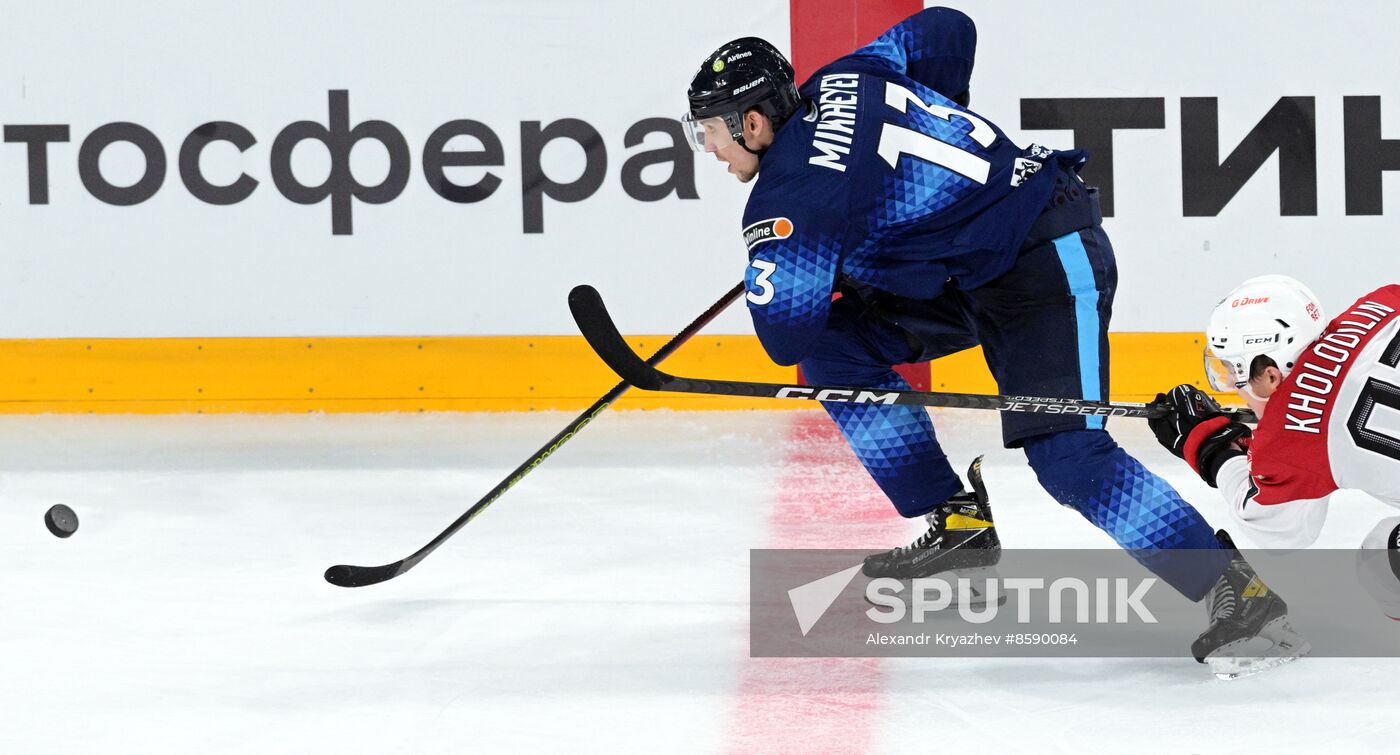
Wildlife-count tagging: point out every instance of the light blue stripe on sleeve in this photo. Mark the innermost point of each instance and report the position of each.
(1075, 260)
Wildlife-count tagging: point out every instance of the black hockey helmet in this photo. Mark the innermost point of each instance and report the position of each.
(743, 74)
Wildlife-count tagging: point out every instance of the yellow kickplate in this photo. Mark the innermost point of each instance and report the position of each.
(470, 373)
(960, 522)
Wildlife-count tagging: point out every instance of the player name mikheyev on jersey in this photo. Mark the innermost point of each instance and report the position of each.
(836, 120)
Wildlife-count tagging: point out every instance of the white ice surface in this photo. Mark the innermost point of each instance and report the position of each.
(599, 606)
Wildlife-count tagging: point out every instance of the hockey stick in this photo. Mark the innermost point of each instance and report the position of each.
(345, 575)
(598, 329)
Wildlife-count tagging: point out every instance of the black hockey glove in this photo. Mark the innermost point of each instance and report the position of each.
(1187, 407)
(1195, 429)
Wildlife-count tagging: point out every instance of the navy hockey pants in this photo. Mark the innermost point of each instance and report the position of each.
(1043, 327)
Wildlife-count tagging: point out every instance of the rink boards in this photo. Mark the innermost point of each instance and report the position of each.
(484, 373)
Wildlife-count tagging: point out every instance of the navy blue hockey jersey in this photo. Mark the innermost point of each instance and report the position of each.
(882, 177)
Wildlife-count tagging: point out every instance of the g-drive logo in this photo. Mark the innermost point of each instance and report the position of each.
(978, 600)
(338, 136)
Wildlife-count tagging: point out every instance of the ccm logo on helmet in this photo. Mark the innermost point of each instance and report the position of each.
(838, 394)
(1246, 301)
(767, 230)
(1261, 339)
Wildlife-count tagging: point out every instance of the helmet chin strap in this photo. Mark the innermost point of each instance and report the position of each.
(756, 153)
(1247, 388)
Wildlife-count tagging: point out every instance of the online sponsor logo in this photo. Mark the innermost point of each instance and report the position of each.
(767, 230)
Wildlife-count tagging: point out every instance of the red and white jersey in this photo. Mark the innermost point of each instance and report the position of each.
(1335, 421)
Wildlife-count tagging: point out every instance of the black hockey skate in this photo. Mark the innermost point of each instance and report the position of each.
(1249, 630)
(961, 537)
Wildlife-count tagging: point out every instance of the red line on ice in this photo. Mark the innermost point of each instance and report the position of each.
(823, 499)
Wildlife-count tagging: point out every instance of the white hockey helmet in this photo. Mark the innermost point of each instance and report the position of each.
(1271, 315)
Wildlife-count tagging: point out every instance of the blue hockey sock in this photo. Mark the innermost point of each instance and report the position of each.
(1088, 472)
(898, 447)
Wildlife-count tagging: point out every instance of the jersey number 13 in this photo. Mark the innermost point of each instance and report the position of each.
(898, 140)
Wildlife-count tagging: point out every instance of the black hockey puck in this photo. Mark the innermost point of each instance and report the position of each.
(61, 521)
(1392, 544)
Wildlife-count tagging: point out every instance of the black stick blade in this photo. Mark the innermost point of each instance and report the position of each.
(600, 331)
(345, 575)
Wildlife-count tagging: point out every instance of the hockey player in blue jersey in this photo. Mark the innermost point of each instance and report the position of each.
(891, 224)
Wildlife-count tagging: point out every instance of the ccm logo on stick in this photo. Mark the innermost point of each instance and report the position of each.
(839, 395)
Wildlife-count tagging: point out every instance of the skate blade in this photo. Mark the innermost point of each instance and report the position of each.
(1230, 669)
(977, 577)
(1248, 658)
